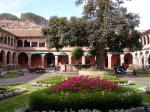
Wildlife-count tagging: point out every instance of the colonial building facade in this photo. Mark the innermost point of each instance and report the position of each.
(28, 48)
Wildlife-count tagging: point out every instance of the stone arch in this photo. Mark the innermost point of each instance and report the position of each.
(128, 58)
(14, 58)
(106, 60)
(142, 58)
(49, 60)
(115, 59)
(5, 39)
(8, 57)
(26, 43)
(23, 60)
(2, 39)
(63, 59)
(19, 43)
(2, 57)
(14, 42)
(148, 41)
(36, 60)
(11, 43)
(9, 40)
(144, 40)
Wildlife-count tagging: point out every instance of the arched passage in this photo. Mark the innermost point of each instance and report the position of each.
(89, 60)
(115, 60)
(8, 57)
(63, 59)
(2, 57)
(128, 58)
(5, 40)
(19, 43)
(49, 59)
(23, 60)
(36, 60)
(14, 58)
(26, 43)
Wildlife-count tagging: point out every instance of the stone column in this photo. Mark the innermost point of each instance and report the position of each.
(121, 59)
(38, 44)
(29, 60)
(30, 43)
(70, 57)
(42, 59)
(83, 60)
(56, 60)
(109, 61)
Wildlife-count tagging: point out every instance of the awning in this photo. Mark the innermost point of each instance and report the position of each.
(59, 53)
(39, 52)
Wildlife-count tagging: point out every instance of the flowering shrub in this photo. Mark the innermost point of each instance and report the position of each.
(85, 84)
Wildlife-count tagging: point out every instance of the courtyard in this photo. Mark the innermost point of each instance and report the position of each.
(33, 82)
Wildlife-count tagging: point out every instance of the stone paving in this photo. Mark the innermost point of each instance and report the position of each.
(28, 77)
(32, 77)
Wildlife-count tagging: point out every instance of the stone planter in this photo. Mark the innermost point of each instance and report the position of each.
(84, 72)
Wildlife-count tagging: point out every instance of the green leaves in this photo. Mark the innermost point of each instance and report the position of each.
(77, 53)
(55, 31)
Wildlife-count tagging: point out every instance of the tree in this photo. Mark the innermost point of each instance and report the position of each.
(55, 31)
(77, 53)
(77, 32)
(113, 28)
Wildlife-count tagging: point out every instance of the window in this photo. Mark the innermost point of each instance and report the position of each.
(34, 44)
(42, 44)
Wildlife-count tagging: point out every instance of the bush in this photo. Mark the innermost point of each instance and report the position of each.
(77, 53)
(63, 96)
(47, 100)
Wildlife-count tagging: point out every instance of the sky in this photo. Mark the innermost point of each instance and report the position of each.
(67, 8)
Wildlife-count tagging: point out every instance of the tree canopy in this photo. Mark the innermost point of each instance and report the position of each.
(113, 27)
(106, 26)
(55, 31)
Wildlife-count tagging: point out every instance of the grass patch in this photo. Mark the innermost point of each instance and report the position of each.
(143, 74)
(9, 75)
(53, 80)
(10, 104)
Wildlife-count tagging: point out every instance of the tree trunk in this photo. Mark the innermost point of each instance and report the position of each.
(100, 60)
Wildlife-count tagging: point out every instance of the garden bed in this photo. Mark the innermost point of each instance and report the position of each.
(6, 92)
(84, 93)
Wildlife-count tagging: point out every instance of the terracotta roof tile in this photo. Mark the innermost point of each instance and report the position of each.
(146, 32)
(26, 32)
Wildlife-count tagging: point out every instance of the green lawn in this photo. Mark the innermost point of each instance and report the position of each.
(10, 104)
(143, 74)
(9, 75)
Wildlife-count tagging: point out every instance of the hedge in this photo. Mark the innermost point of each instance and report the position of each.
(46, 100)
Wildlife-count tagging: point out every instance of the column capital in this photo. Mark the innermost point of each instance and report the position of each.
(109, 55)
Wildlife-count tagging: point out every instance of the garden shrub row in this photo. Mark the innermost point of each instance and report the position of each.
(84, 92)
(47, 100)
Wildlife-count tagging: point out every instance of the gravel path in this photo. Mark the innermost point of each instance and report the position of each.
(27, 78)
